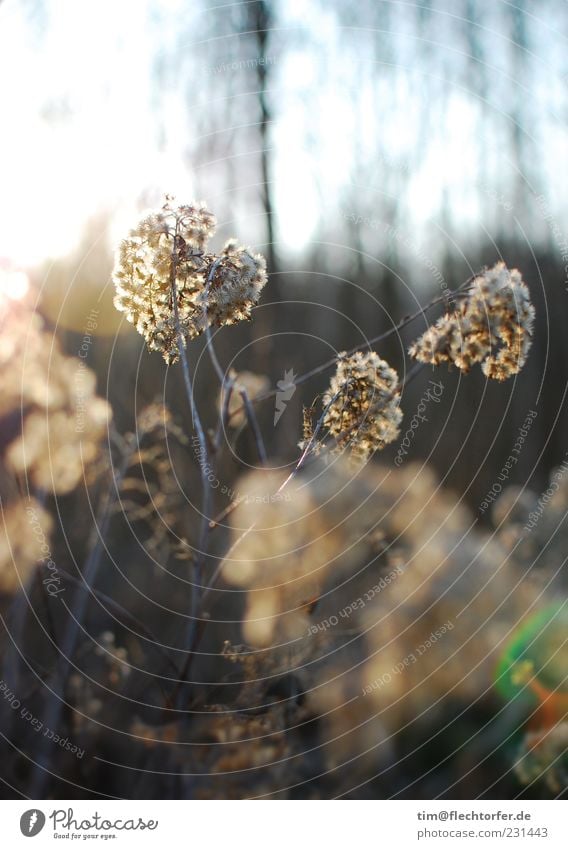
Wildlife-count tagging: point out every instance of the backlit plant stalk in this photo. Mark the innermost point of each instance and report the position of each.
(173, 290)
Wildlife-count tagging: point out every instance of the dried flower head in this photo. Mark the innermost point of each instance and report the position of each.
(110, 667)
(247, 754)
(492, 326)
(375, 588)
(243, 381)
(24, 531)
(61, 420)
(363, 404)
(535, 526)
(167, 283)
(287, 545)
(543, 756)
(115, 657)
(149, 490)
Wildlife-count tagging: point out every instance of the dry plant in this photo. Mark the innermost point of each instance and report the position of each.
(373, 612)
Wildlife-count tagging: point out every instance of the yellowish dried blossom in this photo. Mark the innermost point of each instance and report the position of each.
(352, 731)
(298, 538)
(363, 400)
(435, 636)
(383, 604)
(247, 754)
(249, 382)
(24, 531)
(115, 657)
(544, 757)
(492, 326)
(236, 279)
(149, 490)
(60, 419)
(164, 258)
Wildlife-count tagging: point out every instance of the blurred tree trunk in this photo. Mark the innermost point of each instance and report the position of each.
(260, 21)
(524, 158)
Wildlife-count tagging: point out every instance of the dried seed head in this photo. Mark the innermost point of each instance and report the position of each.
(492, 326)
(247, 381)
(61, 420)
(164, 276)
(363, 400)
(23, 542)
(287, 544)
(543, 756)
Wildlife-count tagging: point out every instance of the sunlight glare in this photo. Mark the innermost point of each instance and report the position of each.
(14, 284)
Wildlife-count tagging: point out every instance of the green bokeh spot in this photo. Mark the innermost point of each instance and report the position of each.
(539, 648)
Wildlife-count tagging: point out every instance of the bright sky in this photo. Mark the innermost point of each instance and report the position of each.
(79, 134)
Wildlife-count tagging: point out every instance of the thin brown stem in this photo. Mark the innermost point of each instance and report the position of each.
(407, 319)
(253, 422)
(204, 461)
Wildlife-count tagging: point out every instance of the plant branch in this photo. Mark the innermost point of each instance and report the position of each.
(54, 708)
(407, 319)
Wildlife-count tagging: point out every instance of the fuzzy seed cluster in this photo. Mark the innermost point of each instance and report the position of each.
(169, 285)
(492, 326)
(55, 420)
(363, 404)
(244, 381)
